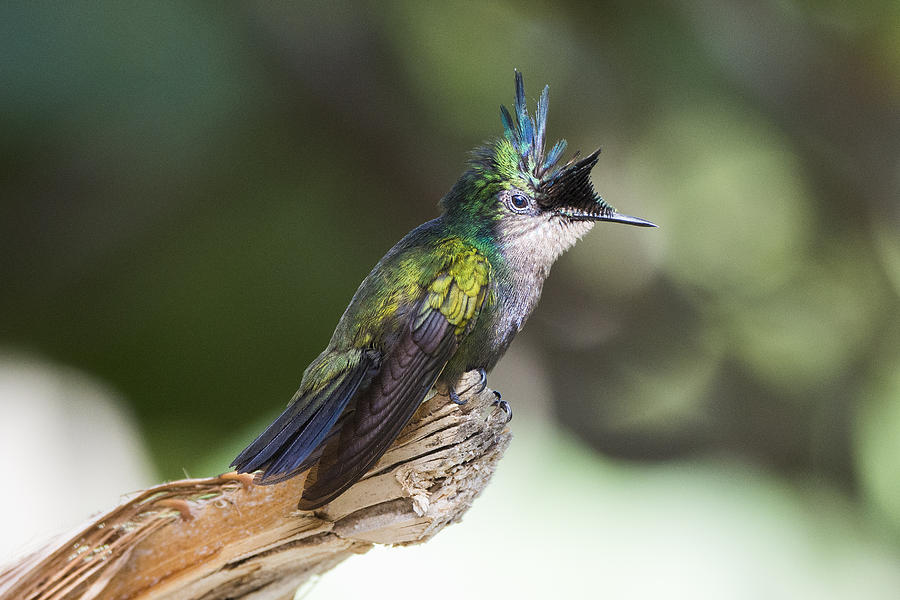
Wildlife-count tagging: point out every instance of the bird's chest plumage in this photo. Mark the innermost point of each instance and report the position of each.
(518, 276)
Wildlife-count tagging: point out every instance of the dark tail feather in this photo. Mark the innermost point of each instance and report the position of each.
(334, 471)
(284, 447)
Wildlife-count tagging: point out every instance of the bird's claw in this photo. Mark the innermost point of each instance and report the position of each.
(504, 406)
(455, 399)
(482, 381)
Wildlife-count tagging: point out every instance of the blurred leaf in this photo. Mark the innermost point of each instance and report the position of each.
(458, 62)
(876, 439)
(733, 200)
(806, 335)
(887, 244)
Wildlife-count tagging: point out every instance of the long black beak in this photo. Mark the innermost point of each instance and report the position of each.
(616, 217)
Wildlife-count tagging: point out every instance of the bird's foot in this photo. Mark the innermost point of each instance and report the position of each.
(504, 406)
(455, 399)
(482, 380)
(479, 387)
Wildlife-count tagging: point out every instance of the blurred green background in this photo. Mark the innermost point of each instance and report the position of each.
(192, 192)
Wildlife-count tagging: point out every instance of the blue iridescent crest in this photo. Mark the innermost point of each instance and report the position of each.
(527, 135)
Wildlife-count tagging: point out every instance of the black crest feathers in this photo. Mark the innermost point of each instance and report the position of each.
(568, 185)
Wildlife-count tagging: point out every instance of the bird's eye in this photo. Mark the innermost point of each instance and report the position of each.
(519, 201)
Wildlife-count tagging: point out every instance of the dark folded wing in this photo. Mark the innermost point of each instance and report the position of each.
(382, 411)
(281, 451)
(373, 422)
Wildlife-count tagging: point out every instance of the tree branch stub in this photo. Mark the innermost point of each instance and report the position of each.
(225, 537)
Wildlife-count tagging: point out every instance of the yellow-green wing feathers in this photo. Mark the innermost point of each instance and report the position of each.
(459, 291)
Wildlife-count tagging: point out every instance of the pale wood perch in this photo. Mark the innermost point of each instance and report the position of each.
(224, 537)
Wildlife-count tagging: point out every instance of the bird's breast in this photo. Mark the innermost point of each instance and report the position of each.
(497, 325)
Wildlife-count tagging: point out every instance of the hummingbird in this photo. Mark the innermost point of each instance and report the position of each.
(448, 298)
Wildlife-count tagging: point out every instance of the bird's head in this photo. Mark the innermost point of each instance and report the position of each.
(515, 189)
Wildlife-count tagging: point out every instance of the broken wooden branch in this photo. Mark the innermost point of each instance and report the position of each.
(224, 537)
